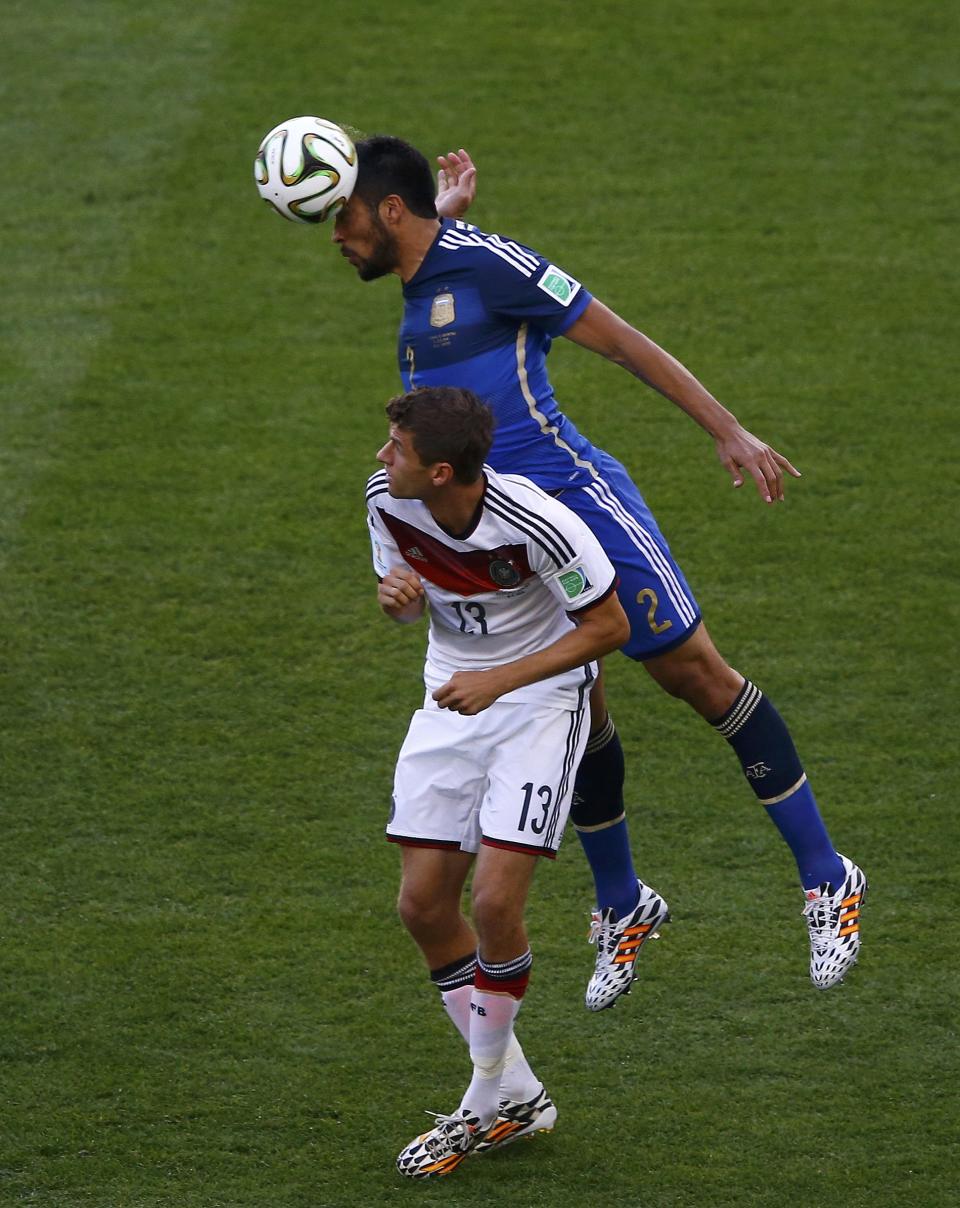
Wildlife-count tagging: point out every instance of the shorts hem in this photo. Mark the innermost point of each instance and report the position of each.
(411, 841)
(644, 655)
(506, 845)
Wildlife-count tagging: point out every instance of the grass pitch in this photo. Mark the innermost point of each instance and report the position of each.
(207, 998)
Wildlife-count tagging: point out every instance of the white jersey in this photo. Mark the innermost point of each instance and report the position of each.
(505, 588)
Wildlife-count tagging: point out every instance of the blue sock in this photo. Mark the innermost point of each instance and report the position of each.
(598, 817)
(770, 762)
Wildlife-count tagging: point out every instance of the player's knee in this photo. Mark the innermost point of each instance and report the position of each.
(494, 918)
(704, 681)
(423, 916)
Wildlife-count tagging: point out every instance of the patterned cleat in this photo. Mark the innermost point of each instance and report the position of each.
(441, 1150)
(517, 1120)
(618, 945)
(833, 920)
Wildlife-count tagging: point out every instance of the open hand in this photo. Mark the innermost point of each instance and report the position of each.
(742, 451)
(456, 184)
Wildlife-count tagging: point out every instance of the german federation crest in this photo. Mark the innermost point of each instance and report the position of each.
(504, 573)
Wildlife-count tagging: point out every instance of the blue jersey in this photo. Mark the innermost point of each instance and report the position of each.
(480, 313)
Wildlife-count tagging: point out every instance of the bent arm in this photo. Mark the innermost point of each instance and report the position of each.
(604, 332)
(400, 594)
(600, 630)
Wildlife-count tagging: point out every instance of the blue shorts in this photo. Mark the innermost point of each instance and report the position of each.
(654, 594)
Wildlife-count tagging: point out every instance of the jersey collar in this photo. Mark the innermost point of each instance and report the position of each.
(445, 225)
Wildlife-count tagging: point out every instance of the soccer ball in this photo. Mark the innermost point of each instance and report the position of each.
(306, 168)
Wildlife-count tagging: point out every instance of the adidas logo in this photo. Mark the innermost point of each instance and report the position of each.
(415, 552)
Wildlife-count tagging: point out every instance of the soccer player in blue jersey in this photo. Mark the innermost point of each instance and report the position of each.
(480, 311)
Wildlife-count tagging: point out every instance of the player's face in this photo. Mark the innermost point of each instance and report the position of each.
(364, 240)
(407, 476)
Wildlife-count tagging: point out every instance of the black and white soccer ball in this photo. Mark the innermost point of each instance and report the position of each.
(306, 168)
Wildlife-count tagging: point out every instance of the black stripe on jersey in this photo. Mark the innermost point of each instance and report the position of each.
(376, 484)
(546, 534)
(562, 542)
(497, 510)
(577, 718)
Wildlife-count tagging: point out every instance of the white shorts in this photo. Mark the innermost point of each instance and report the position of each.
(503, 777)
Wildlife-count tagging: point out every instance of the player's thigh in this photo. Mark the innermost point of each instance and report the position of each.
(531, 774)
(652, 588)
(433, 876)
(439, 781)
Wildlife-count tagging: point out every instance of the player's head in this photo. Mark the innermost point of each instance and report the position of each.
(387, 165)
(392, 177)
(438, 435)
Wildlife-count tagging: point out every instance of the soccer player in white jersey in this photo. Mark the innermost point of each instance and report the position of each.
(522, 601)
(481, 310)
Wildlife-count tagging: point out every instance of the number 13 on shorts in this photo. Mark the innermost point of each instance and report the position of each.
(504, 775)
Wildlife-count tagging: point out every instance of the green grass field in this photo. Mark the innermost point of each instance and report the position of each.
(207, 999)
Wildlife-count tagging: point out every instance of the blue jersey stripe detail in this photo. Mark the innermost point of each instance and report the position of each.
(639, 537)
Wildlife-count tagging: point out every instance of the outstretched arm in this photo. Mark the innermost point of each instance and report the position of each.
(603, 331)
(600, 630)
(456, 184)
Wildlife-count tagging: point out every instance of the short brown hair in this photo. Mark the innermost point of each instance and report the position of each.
(447, 424)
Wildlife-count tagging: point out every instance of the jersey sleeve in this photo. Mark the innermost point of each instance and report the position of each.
(521, 285)
(572, 564)
(383, 548)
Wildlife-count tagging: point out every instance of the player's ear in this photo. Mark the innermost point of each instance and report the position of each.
(441, 474)
(391, 209)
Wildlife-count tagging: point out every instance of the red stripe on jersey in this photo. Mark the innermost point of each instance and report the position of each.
(467, 573)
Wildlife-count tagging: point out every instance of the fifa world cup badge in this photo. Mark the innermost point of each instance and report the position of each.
(442, 311)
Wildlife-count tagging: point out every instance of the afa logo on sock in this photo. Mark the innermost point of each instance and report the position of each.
(757, 771)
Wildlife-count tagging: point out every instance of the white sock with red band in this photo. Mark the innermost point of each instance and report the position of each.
(518, 1082)
(498, 990)
(491, 1030)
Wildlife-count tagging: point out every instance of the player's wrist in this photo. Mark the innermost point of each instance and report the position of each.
(721, 424)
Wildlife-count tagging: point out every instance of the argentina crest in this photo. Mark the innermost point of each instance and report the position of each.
(442, 311)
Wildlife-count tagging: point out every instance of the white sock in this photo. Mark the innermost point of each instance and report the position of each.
(518, 1081)
(491, 1027)
(456, 1003)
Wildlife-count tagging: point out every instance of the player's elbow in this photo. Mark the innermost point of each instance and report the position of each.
(610, 630)
(619, 632)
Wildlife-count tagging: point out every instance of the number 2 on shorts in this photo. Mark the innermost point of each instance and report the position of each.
(649, 594)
